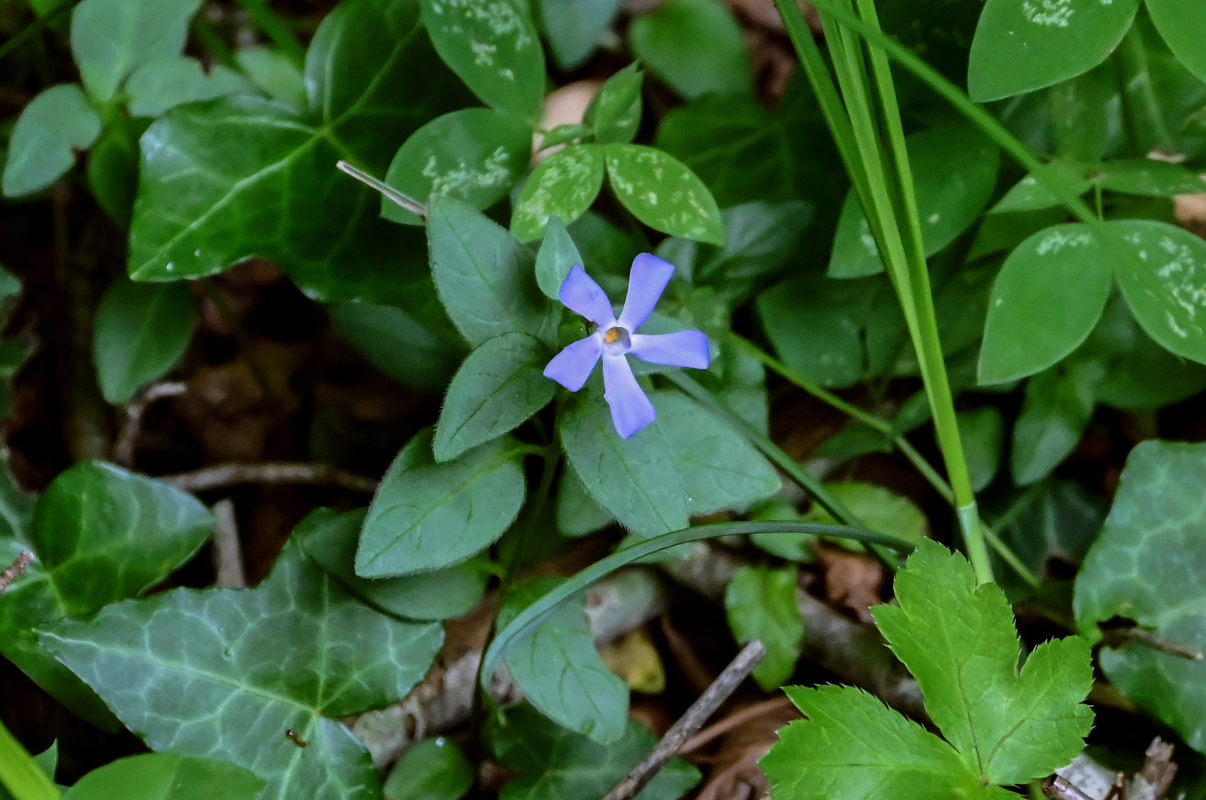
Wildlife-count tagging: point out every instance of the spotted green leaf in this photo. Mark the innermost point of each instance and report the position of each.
(167, 776)
(615, 111)
(475, 155)
(663, 193)
(426, 516)
(55, 125)
(1022, 46)
(110, 38)
(231, 673)
(761, 604)
(140, 332)
(563, 186)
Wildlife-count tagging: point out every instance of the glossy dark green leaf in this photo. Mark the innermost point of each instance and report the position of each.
(695, 46)
(492, 46)
(634, 479)
(615, 112)
(564, 186)
(430, 769)
(110, 38)
(761, 604)
(167, 776)
(426, 516)
(172, 81)
(499, 386)
(55, 125)
(484, 277)
(574, 27)
(954, 173)
(140, 332)
(577, 512)
(273, 73)
(1147, 566)
(1019, 47)
(557, 256)
(1182, 23)
(475, 155)
(559, 670)
(760, 238)
(1055, 411)
(113, 170)
(554, 764)
(257, 677)
(663, 193)
(1048, 523)
(983, 433)
(208, 199)
(330, 538)
(1047, 297)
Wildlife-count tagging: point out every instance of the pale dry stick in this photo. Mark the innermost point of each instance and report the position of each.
(690, 722)
(1059, 788)
(409, 203)
(223, 476)
(734, 720)
(15, 570)
(228, 553)
(127, 437)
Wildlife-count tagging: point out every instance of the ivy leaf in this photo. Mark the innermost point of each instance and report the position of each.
(663, 193)
(761, 604)
(234, 671)
(563, 186)
(167, 776)
(561, 672)
(141, 331)
(55, 125)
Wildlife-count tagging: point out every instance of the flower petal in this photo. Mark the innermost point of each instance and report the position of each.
(574, 364)
(630, 408)
(580, 293)
(646, 283)
(681, 349)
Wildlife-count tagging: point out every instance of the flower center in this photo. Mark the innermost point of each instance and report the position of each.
(616, 340)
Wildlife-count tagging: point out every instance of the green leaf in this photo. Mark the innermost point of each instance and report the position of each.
(954, 170)
(983, 433)
(959, 641)
(1161, 270)
(140, 332)
(878, 508)
(1046, 299)
(484, 277)
(425, 516)
(492, 46)
(1057, 407)
(499, 386)
(275, 74)
(113, 170)
(1033, 193)
(564, 185)
(633, 479)
(761, 604)
(1181, 23)
(243, 176)
(853, 747)
(55, 125)
(577, 513)
(1048, 526)
(694, 437)
(330, 538)
(557, 256)
(1020, 47)
(167, 776)
(475, 155)
(1143, 176)
(172, 81)
(234, 671)
(554, 764)
(663, 193)
(430, 769)
(574, 27)
(110, 38)
(559, 670)
(695, 46)
(1146, 566)
(615, 111)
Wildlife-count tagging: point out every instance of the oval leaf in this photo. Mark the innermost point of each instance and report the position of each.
(166, 776)
(695, 46)
(761, 604)
(173, 81)
(1057, 407)
(55, 125)
(663, 193)
(109, 38)
(430, 769)
(141, 330)
(1181, 24)
(564, 185)
(574, 27)
(1047, 298)
(558, 255)
(615, 111)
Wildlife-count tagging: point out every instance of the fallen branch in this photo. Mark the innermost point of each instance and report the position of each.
(224, 476)
(228, 552)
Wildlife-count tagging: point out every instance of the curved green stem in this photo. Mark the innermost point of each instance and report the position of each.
(20, 775)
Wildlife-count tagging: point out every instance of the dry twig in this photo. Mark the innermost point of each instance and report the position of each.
(224, 476)
(15, 570)
(228, 553)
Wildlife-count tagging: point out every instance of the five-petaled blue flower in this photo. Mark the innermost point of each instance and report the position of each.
(615, 337)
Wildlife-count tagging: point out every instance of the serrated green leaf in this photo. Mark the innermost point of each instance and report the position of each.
(492, 46)
(426, 516)
(1057, 407)
(1180, 23)
(167, 776)
(140, 332)
(330, 538)
(172, 81)
(1046, 299)
(475, 155)
(554, 764)
(233, 671)
(1019, 47)
(110, 38)
(761, 604)
(695, 46)
(574, 27)
(483, 276)
(499, 386)
(959, 641)
(663, 193)
(564, 186)
(557, 256)
(430, 769)
(1146, 566)
(615, 111)
(560, 671)
(853, 747)
(55, 125)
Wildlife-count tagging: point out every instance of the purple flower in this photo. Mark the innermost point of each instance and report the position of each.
(615, 337)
